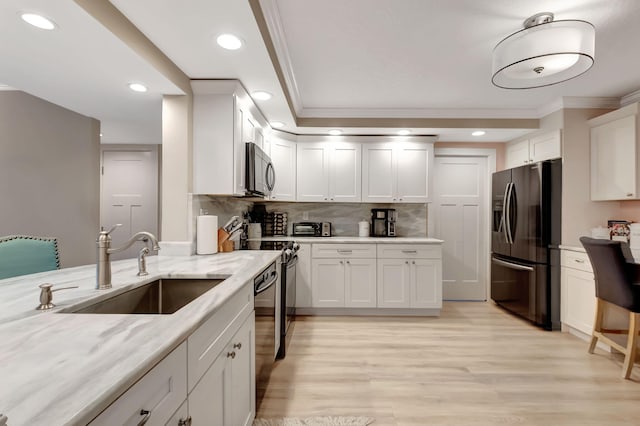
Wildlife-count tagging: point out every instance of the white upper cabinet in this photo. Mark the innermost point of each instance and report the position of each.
(615, 173)
(542, 147)
(396, 172)
(283, 155)
(224, 119)
(328, 171)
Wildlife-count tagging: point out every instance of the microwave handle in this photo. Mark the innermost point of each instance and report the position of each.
(270, 176)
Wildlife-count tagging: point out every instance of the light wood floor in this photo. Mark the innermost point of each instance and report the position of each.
(474, 365)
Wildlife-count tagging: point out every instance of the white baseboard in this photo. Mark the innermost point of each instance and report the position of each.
(176, 248)
(369, 311)
(584, 336)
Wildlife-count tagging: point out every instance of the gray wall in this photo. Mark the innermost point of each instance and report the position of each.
(49, 175)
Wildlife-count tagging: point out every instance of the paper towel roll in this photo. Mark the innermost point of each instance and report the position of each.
(206, 234)
(363, 229)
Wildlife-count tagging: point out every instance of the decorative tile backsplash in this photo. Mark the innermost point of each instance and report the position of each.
(344, 217)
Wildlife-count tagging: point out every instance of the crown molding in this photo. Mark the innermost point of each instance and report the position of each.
(630, 98)
(578, 102)
(457, 113)
(273, 20)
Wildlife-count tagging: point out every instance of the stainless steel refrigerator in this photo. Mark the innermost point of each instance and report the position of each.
(526, 232)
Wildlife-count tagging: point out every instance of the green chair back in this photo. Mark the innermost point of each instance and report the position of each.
(22, 255)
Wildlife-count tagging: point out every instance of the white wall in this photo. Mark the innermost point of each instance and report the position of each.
(49, 175)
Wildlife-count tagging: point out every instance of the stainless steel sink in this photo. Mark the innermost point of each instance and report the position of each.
(160, 297)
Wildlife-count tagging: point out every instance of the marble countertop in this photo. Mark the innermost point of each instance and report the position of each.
(361, 240)
(62, 368)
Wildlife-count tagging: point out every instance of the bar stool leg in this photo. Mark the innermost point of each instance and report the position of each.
(630, 356)
(597, 325)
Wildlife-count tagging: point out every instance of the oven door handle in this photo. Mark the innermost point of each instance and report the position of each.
(265, 286)
(511, 265)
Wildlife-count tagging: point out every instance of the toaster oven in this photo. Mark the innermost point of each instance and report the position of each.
(312, 229)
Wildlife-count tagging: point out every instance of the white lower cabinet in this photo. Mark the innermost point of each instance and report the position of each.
(208, 380)
(376, 276)
(155, 397)
(222, 396)
(303, 277)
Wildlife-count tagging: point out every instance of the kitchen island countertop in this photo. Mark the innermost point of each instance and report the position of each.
(63, 368)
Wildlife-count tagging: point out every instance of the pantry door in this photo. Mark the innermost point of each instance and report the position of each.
(460, 212)
(129, 194)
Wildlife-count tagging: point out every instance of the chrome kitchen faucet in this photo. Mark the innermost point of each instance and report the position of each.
(103, 273)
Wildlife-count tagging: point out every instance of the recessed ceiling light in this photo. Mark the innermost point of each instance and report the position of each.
(229, 42)
(137, 87)
(478, 133)
(261, 96)
(335, 132)
(276, 124)
(404, 132)
(38, 21)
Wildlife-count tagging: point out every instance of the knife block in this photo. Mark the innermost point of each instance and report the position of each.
(224, 244)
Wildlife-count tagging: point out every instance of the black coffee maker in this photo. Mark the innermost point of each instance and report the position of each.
(383, 222)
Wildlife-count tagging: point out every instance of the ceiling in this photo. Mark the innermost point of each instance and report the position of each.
(358, 64)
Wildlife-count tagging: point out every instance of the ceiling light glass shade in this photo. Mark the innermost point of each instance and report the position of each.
(137, 87)
(38, 21)
(229, 42)
(544, 54)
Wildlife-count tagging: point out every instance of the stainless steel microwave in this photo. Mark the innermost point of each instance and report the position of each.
(260, 176)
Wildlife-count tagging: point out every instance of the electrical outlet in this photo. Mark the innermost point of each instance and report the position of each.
(305, 215)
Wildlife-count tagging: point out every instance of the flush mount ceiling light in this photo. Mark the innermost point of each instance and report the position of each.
(276, 124)
(404, 132)
(545, 52)
(478, 133)
(38, 21)
(335, 132)
(137, 87)
(229, 41)
(261, 96)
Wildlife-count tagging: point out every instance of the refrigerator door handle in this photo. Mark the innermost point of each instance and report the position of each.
(502, 227)
(511, 265)
(507, 211)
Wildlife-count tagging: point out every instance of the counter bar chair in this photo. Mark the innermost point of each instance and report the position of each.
(617, 283)
(23, 254)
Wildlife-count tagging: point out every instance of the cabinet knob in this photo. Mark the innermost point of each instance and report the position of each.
(325, 198)
(629, 194)
(395, 199)
(185, 422)
(406, 262)
(348, 263)
(413, 262)
(237, 346)
(231, 355)
(526, 161)
(342, 262)
(400, 199)
(145, 419)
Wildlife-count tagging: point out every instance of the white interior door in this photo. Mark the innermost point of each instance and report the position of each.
(129, 195)
(460, 210)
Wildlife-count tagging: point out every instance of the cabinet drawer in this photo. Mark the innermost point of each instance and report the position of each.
(337, 251)
(576, 260)
(161, 392)
(206, 343)
(409, 251)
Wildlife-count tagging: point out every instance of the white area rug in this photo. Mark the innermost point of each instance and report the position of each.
(315, 421)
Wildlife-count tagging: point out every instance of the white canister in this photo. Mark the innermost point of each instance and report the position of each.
(363, 229)
(254, 232)
(206, 234)
(634, 235)
(600, 232)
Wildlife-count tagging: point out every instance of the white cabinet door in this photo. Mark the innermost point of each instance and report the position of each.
(303, 277)
(517, 154)
(345, 174)
(242, 390)
(226, 393)
(312, 172)
(283, 156)
(578, 299)
(546, 146)
(327, 283)
(426, 283)
(378, 173)
(414, 167)
(360, 283)
(393, 282)
(613, 160)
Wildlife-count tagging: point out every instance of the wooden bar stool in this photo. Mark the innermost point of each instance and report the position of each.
(617, 283)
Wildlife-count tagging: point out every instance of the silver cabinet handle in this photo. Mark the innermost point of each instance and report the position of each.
(237, 346)
(629, 194)
(231, 355)
(343, 251)
(578, 260)
(145, 419)
(512, 265)
(410, 251)
(185, 422)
